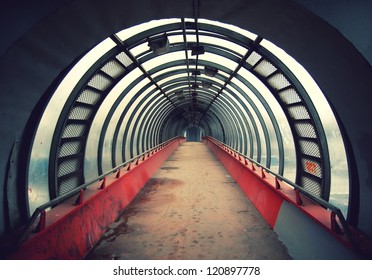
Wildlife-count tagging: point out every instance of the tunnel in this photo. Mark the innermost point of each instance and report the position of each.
(96, 93)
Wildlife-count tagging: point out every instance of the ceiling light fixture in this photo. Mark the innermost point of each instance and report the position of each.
(210, 71)
(197, 50)
(206, 84)
(159, 45)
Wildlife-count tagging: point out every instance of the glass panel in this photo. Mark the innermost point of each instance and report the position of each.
(243, 32)
(287, 138)
(114, 122)
(125, 122)
(145, 107)
(170, 69)
(246, 121)
(170, 78)
(39, 160)
(235, 48)
(339, 192)
(175, 39)
(219, 60)
(140, 49)
(131, 31)
(257, 122)
(249, 95)
(161, 59)
(91, 151)
(229, 108)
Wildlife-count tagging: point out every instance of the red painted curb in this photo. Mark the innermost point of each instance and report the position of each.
(264, 199)
(78, 228)
(268, 194)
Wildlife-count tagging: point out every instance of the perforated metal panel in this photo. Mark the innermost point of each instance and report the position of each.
(305, 130)
(68, 184)
(70, 148)
(299, 112)
(100, 82)
(289, 96)
(278, 81)
(68, 167)
(113, 69)
(73, 130)
(264, 68)
(311, 185)
(80, 113)
(89, 96)
(312, 167)
(310, 148)
(124, 59)
(253, 58)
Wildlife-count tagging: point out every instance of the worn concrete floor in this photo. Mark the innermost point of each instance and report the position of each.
(190, 209)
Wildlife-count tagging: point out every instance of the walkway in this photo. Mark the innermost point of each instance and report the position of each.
(190, 209)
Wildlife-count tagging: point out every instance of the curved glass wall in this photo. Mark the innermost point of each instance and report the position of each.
(339, 187)
(38, 171)
(153, 81)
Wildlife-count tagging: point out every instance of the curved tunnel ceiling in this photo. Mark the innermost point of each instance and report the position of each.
(152, 82)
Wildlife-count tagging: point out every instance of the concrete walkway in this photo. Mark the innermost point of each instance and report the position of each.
(190, 209)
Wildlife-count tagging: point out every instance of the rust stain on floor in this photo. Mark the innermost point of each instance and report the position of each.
(190, 209)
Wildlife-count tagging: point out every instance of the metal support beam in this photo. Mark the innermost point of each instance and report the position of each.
(240, 65)
(120, 43)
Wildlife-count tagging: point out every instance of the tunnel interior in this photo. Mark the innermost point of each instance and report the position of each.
(187, 70)
(151, 82)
